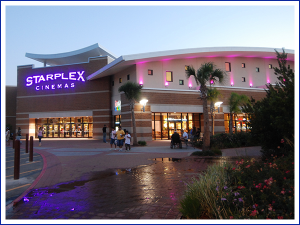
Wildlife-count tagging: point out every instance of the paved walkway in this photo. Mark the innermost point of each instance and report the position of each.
(86, 179)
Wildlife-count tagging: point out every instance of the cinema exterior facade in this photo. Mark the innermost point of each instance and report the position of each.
(76, 93)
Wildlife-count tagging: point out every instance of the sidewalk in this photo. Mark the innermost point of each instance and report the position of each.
(70, 160)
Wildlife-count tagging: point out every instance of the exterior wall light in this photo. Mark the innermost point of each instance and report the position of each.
(141, 83)
(250, 84)
(231, 83)
(166, 84)
(218, 104)
(190, 85)
(143, 102)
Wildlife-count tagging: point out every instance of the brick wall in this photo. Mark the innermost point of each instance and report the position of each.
(93, 96)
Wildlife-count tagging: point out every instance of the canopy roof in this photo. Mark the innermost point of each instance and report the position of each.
(77, 56)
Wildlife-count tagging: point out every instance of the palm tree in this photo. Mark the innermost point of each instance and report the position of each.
(206, 73)
(235, 103)
(132, 92)
(213, 95)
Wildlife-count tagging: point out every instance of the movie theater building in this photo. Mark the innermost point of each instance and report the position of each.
(76, 93)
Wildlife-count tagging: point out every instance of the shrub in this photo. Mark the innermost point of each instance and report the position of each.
(201, 196)
(235, 140)
(250, 190)
(143, 143)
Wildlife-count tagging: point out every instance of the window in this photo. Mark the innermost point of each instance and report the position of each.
(186, 68)
(289, 67)
(243, 65)
(257, 69)
(150, 72)
(112, 83)
(243, 79)
(270, 66)
(120, 80)
(181, 82)
(228, 67)
(128, 77)
(169, 76)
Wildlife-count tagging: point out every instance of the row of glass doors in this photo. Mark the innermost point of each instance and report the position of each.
(67, 130)
(68, 127)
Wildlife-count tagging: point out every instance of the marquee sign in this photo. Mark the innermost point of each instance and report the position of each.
(55, 80)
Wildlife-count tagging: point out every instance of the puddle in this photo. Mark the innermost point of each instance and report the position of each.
(168, 159)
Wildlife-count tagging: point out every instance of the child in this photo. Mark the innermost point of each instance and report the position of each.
(112, 139)
(127, 140)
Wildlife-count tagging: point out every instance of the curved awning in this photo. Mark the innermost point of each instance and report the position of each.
(77, 56)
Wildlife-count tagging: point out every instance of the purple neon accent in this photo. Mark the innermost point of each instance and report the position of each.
(211, 81)
(232, 56)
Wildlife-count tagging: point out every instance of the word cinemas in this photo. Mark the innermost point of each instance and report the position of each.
(62, 80)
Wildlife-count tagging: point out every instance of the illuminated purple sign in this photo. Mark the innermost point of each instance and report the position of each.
(62, 80)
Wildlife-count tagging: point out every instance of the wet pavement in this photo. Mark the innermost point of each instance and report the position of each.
(145, 192)
(85, 179)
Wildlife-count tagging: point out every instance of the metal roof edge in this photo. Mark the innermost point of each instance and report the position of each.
(106, 67)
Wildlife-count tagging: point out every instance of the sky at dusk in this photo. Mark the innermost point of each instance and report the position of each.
(139, 28)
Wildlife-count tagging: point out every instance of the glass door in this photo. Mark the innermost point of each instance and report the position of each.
(79, 130)
(44, 130)
(86, 130)
(50, 131)
(67, 130)
(56, 133)
(74, 130)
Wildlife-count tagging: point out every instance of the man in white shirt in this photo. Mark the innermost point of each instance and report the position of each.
(127, 140)
(113, 138)
(185, 136)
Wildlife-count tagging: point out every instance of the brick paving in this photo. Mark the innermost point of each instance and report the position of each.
(86, 180)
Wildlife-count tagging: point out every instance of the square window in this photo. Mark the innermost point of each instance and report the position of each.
(243, 65)
(169, 76)
(228, 67)
(120, 80)
(181, 82)
(186, 68)
(150, 72)
(243, 79)
(270, 66)
(257, 69)
(128, 77)
(112, 83)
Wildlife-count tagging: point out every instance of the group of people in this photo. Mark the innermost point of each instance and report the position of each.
(118, 138)
(176, 139)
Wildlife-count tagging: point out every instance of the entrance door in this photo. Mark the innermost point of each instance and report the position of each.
(45, 131)
(67, 130)
(55, 130)
(173, 126)
(85, 130)
(50, 131)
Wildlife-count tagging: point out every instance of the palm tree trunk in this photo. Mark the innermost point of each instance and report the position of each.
(230, 123)
(133, 125)
(206, 135)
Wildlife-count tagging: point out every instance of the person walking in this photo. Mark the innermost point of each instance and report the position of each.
(7, 135)
(120, 137)
(112, 139)
(40, 135)
(127, 140)
(104, 134)
(19, 134)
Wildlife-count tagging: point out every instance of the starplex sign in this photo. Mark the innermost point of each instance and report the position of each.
(63, 80)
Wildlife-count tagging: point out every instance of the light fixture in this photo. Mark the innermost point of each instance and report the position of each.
(231, 83)
(190, 85)
(166, 84)
(141, 83)
(143, 102)
(250, 84)
(218, 104)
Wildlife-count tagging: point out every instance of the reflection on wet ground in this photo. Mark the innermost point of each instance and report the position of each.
(145, 192)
